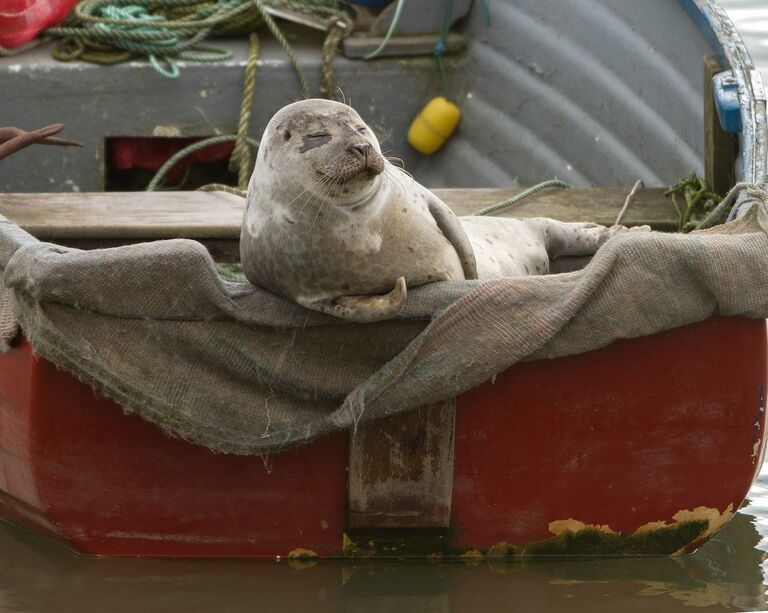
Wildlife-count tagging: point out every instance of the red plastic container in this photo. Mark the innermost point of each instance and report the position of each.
(22, 20)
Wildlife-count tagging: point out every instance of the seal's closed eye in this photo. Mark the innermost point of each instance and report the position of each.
(318, 135)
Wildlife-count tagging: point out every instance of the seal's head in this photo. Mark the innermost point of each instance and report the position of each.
(323, 147)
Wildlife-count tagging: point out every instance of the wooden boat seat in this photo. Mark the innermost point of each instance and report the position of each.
(101, 219)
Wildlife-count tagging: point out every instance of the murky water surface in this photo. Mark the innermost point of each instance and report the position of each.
(728, 574)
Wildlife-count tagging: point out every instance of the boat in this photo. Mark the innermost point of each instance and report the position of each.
(647, 446)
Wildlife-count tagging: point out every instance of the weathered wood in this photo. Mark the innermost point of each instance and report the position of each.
(598, 204)
(217, 215)
(125, 214)
(720, 147)
(401, 471)
(358, 46)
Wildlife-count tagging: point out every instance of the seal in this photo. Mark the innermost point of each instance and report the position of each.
(332, 224)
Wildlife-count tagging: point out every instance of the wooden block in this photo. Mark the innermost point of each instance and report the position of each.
(358, 46)
(134, 216)
(720, 147)
(401, 470)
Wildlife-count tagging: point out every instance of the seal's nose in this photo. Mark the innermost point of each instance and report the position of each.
(360, 150)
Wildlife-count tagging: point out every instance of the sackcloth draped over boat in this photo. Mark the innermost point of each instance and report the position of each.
(239, 370)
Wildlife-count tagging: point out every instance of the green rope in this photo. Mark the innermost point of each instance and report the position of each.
(166, 31)
(522, 196)
(241, 154)
(442, 43)
(392, 27)
(280, 38)
(201, 144)
(6, 52)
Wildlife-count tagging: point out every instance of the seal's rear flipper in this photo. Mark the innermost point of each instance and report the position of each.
(363, 309)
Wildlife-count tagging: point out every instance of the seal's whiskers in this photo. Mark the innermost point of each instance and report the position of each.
(326, 200)
(312, 185)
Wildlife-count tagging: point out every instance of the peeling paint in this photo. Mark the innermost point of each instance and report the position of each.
(559, 526)
(348, 546)
(166, 131)
(716, 519)
(301, 554)
(503, 549)
(571, 537)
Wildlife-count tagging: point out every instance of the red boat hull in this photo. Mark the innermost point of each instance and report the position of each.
(668, 428)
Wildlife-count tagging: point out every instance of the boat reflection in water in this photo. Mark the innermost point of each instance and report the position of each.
(726, 574)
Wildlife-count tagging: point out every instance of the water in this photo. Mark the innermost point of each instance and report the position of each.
(728, 574)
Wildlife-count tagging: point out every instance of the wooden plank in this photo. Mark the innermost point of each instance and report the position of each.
(720, 147)
(125, 214)
(217, 215)
(401, 471)
(598, 204)
(360, 45)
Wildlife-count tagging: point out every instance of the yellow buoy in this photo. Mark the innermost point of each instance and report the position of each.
(434, 125)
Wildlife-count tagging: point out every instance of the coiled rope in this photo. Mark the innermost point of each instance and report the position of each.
(166, 31)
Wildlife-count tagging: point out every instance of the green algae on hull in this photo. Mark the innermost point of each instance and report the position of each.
(665, 540)
(589, 541)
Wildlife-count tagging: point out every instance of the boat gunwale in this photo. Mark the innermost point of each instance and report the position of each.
(714, 22)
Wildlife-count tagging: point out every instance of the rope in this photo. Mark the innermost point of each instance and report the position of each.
(630, 197)
(241, 154)
(201, 144)
(166, 31)
(720, 212)
(113, 31)
(392, 27)
(220, 187)
(522, 196)
(285, 45)
(441, 45)
(336, 31)
(6, 52)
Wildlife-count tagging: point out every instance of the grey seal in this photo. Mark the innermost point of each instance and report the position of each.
(332, 224)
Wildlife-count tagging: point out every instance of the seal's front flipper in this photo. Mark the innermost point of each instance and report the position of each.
(452, 229)
(364, 309)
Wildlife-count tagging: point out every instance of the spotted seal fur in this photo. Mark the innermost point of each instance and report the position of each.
(333, 225)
